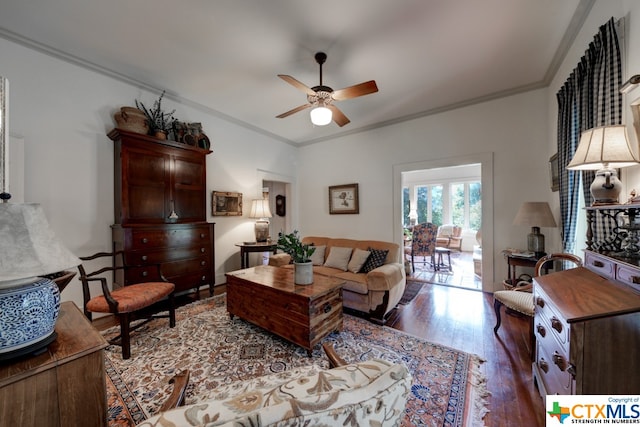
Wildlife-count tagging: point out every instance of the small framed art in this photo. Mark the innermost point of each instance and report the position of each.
(225, 203)
(343, 199)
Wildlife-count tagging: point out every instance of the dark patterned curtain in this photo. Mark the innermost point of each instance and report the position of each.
(589, 98)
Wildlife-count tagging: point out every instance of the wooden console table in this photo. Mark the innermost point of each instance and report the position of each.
(247, 248)
(65, 385)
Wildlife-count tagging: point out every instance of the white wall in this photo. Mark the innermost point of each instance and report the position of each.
(63, 112)
(512, 129)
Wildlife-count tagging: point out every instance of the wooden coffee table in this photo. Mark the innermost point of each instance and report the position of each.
(302, 314)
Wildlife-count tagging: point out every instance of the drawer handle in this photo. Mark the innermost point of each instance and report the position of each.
(144, 257)
(203, 278)
(203, 263)
(202, 235)
(559, 361)
(541, 330)
(540, 302)
(598, 264)
(145, 240)
(202, 250)
(145, 274)
(542, 364)
(327, 308)
(556, 324)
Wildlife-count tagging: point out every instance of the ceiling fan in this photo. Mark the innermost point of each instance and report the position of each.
(321, 97)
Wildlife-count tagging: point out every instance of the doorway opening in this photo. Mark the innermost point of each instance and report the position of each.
(453, 192)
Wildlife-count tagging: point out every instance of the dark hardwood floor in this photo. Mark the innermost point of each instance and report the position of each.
(464, 319)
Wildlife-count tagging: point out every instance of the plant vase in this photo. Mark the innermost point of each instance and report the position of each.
(303, 273)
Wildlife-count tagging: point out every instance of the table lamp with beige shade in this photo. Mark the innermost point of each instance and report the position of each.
(604, 149)
(535, 215)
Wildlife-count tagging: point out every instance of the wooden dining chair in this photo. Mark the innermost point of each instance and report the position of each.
(519, 300)
(127, 303)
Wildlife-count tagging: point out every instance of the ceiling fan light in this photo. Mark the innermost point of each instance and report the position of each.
(321, 116)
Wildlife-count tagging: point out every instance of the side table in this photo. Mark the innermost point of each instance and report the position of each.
(514, 261)
(247, 248)
(65, 385)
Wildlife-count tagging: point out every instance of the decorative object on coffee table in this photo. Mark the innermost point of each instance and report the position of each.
(300, 255)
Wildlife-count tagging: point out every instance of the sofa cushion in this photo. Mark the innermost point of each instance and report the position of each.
(375, 260)
(358, 258)
(354, 282)
(318, 255)
(338, 258)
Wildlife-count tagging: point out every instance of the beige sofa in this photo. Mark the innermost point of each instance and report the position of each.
(372, 294)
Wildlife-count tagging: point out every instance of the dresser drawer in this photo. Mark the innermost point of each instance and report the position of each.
(169, 270)
(600, 265)
(629, 276)
(552, 367)
(549, 318)
(159, 256)
(144, 239)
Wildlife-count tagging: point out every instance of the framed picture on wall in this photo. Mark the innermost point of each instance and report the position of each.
(225, 203)
(554, 171)
(343, 199)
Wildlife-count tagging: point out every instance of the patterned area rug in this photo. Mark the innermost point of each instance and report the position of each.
(410, 291)
(448, 388)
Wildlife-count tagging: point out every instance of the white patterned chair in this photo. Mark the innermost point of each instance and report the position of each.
(366, 393)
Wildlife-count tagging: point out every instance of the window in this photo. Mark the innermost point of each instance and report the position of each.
(458, 203)
(466, 204)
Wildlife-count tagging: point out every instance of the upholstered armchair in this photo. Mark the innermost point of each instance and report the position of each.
(449, 236)
(371, 392)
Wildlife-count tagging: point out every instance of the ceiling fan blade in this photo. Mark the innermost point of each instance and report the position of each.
(295, 110)
(338, 116)
(297, 84)
(354, 91)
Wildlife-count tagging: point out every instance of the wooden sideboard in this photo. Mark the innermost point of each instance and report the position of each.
(587, 319)
(160, 211)
(64, 386)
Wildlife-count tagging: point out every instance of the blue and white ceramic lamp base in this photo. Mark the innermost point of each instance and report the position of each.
(28, 315)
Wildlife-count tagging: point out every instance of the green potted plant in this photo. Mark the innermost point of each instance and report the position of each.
(300, 255)
(160, 123)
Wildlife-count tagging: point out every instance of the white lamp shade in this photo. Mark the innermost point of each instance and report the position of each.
(260, 209)
(321, 116)
(601, 147)
(28, 246)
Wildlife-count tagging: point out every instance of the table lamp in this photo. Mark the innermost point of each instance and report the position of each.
(260, 210)
(603, 149)
(536, 215)
(29, 303)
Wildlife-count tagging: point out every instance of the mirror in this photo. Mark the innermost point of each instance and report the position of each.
(4, 139)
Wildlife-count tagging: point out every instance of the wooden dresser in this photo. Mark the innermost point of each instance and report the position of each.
(160, 210)
(587, 320)
(64, 386)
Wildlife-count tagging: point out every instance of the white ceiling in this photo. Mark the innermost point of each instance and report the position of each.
(223, 55)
